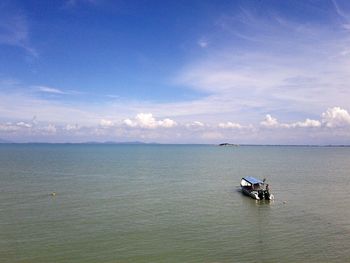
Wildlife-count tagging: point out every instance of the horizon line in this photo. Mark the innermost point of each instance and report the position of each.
(157, 143)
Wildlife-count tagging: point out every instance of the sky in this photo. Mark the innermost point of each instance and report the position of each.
(246, 72)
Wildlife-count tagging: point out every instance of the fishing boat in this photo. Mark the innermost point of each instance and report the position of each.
(256, 188)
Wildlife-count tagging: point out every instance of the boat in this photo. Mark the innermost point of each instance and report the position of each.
(256, 188)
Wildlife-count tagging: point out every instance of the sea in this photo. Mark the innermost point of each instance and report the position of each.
(172, 203)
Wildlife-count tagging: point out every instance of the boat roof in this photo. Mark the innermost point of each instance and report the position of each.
(252, 180)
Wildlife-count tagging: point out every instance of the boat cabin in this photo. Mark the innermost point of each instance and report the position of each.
(252, 183)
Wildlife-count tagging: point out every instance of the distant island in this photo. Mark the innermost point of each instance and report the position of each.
(228, 144)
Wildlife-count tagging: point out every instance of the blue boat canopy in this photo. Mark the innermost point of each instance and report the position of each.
(252, 180)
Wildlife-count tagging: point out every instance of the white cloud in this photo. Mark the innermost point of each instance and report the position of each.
(195, 124)
(70, 127)
(167, 123)
(308, 123)
(147, 121)
(129, 123)
(106, 123)
(336, 117)
(11, 127)
(50, 90)
(24, 124)
(145, 126)
(269, 122)
(230, 125)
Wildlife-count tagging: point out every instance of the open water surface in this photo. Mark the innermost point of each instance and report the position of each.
(172, 203)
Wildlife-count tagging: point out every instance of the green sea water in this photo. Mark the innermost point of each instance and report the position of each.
(172, 203)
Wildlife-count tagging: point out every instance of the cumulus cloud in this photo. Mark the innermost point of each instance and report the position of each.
(167, 123)
(106, 123)
(28, 128)
(147, 121)
(308, 123)
(230, 125)
(336, 117)
(130, 123)
(269, 122)
(334, 121)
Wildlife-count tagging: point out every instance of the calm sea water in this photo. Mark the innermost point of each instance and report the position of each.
(160, 203)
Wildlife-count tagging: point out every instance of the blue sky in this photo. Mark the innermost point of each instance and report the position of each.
(270, 72)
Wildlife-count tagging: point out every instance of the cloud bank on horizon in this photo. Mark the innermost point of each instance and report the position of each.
(243, 72)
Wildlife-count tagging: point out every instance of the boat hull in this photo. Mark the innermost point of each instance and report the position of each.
(252, 194)
(257, 195)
